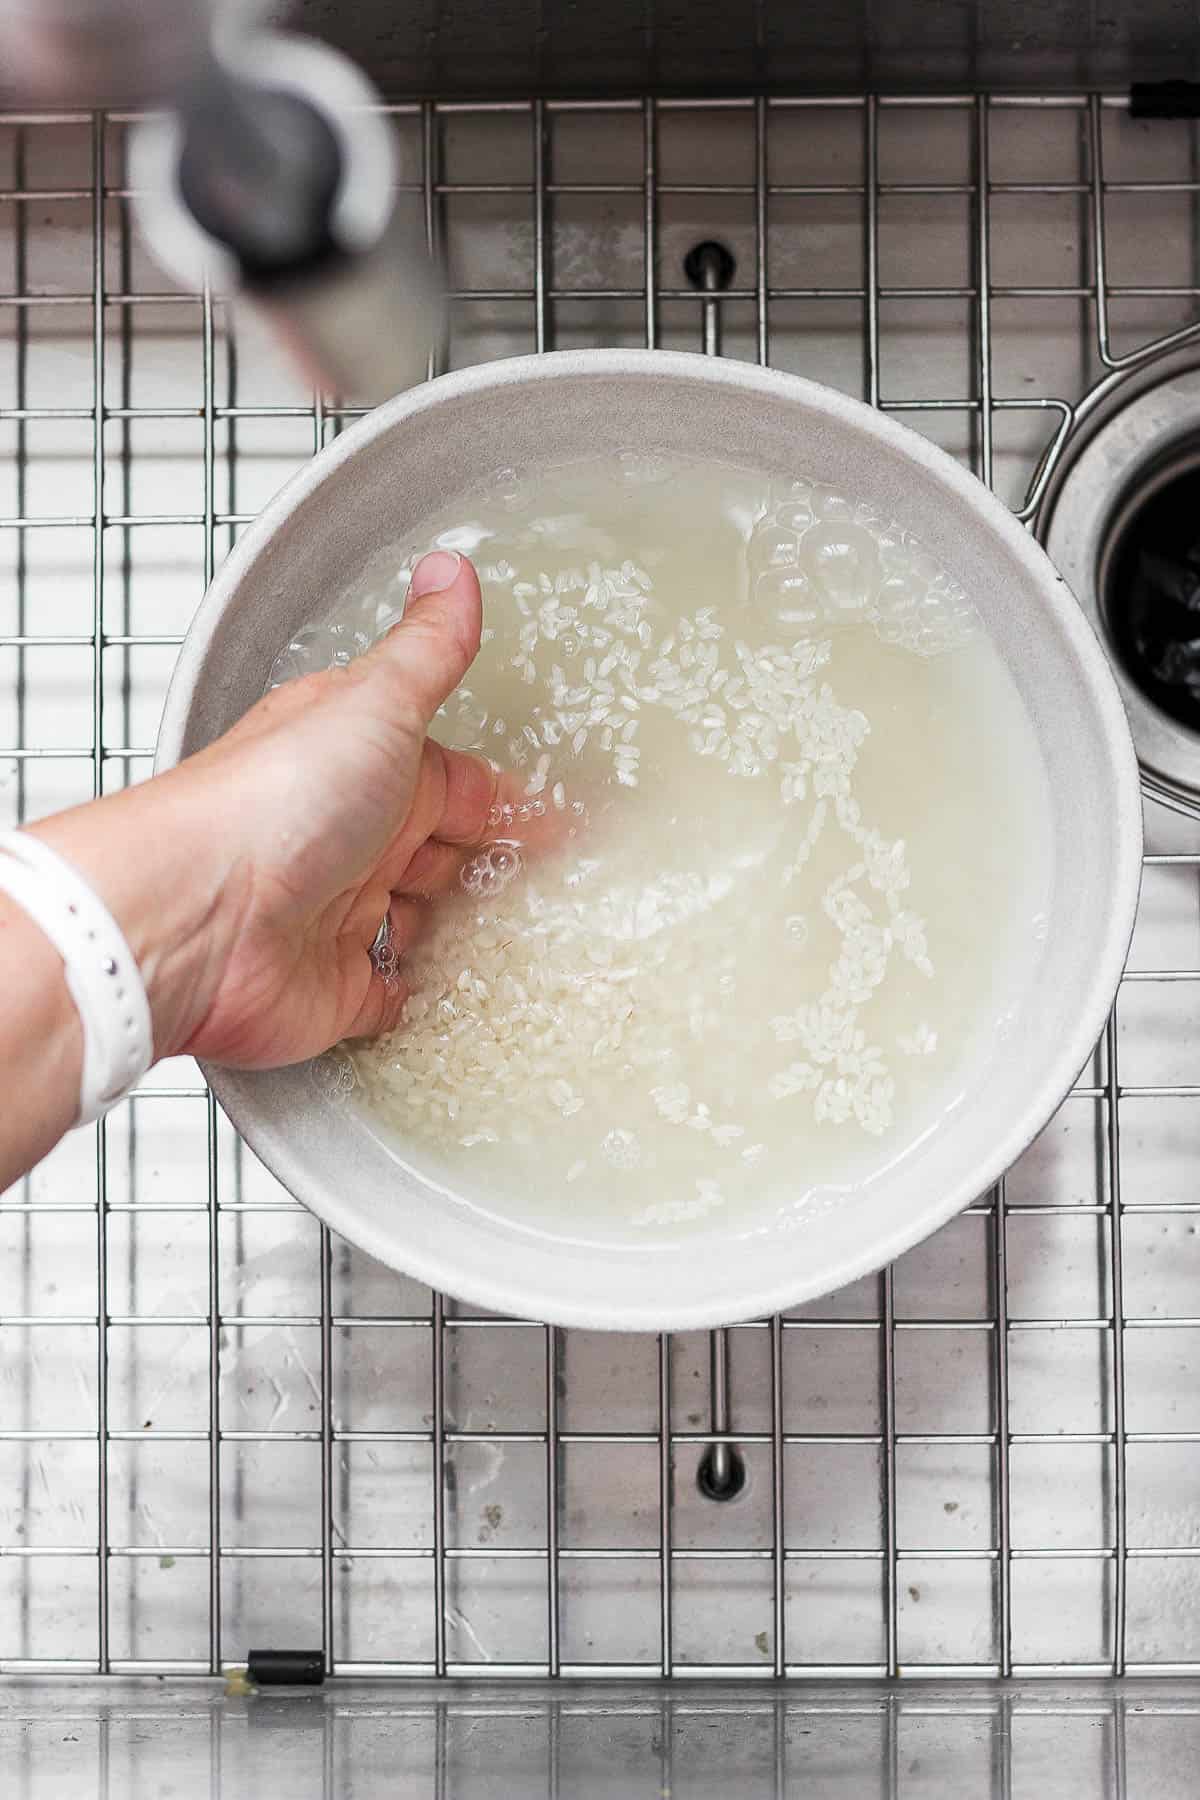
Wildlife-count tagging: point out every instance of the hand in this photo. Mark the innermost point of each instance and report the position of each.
(324, 808)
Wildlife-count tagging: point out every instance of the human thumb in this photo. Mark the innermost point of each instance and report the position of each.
(437, 640)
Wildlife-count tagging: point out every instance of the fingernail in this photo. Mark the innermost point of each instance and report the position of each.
(434, 573)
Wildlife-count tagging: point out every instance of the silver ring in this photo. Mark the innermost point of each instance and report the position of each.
(384, 959)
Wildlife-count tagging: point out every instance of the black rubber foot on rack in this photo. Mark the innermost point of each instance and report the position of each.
(286, 1668)
(1164, 100)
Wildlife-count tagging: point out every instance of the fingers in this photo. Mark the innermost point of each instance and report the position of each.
(469, 793)
(538, 824)
(433, 870)
(437, 640)
(442, 781)
(382, 1007)
(462, 803)
(361, 921)
(407, 919)
(461, 800)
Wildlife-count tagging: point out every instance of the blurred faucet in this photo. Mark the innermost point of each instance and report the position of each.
(274, 176)
(270, 173)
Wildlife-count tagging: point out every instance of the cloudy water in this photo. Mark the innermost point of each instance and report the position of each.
(805, 852)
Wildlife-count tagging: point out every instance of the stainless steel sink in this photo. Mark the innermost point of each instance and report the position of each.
(219, 1428)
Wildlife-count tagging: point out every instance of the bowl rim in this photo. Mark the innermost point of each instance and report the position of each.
(499, 1287)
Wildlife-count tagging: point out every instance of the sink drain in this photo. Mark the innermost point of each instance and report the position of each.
(1121, 521)
(1149, 584)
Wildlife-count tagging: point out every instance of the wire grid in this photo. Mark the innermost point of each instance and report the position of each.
(993, 1363)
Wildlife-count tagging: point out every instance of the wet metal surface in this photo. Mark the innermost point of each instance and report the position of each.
(221, 1428)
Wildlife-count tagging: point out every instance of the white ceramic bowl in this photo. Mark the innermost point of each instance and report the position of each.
(406, 461)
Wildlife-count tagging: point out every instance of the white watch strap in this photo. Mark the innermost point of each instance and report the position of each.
(101, 972)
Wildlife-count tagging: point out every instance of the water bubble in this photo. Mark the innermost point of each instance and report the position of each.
(924, 569)
(892, 550)
(770, 548)
(315, 649)
(333, 1075)
(347, 641)
(828, 505)
(939, 623)
(845, 570)
(285, 668)
(492, 870)
(794, 515)
(797, 930)
(786, 594)
(896, 606)
(798, 494)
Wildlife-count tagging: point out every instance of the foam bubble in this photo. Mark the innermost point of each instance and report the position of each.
(491, 870)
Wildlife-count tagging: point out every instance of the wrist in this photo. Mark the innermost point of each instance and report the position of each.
(154, 854)
(41, 1040)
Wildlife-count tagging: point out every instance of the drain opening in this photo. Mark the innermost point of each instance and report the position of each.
(722, 1472)
(1149, 586)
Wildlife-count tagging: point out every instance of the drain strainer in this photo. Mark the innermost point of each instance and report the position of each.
(1121, 521)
